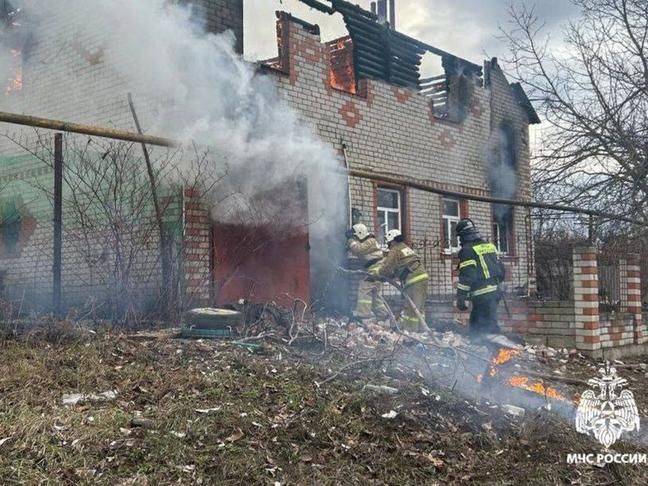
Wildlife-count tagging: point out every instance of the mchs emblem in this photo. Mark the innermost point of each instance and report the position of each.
(610, 411)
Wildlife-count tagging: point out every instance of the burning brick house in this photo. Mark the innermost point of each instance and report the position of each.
(464, 133)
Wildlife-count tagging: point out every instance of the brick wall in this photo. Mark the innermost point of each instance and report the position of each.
(390, 129)
(196, 244)
(221, 16)
(96, 95)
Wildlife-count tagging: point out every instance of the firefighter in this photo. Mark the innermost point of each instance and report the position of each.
(480, 274)
(363, 245)
(404, 264)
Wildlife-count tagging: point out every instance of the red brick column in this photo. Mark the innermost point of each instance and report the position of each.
(196, 248)
(586, 299)
(630, 276)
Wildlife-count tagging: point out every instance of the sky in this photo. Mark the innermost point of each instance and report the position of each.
(466, 28)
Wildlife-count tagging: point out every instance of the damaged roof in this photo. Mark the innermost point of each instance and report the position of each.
(381, 52)
(523, 100)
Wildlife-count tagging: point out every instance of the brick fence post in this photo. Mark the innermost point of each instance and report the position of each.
(586, 298)
(630, 283)
(196, 249)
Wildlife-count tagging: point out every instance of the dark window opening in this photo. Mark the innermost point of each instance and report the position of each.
(503, 229)
(502, 169)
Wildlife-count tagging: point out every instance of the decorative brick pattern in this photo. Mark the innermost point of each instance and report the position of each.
(350, 114)
(586, 306)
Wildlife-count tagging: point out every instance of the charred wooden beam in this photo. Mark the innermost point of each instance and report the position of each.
(319, 6)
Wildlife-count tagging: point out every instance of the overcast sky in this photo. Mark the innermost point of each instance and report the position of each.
(467, 28)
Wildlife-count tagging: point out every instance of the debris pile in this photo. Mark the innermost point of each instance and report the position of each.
(342, 403)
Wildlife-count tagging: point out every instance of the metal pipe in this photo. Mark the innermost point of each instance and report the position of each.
(377, 176)
(392, 14)
(397, 180)
(382, 10)
(63, 126)
(57, 254)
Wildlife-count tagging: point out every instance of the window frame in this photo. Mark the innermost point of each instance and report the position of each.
(446, 228)
(509, 232)
(400, 211)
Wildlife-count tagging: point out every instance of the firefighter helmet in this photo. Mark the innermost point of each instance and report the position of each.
(392, 235)
(467, 231)
(360, 231)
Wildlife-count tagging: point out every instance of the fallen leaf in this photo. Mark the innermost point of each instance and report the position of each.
(235, 436)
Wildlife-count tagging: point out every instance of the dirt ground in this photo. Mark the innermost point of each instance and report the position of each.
(216, 412)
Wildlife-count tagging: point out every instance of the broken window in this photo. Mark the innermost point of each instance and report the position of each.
(503, 228)
(451, 217)
(390, 210)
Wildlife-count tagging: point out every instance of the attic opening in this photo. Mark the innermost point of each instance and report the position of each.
(373, 49)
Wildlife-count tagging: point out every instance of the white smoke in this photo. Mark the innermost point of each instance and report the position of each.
(502, 165)
(192, 87)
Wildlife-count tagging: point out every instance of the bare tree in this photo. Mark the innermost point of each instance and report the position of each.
(593, 92)
(112, 222)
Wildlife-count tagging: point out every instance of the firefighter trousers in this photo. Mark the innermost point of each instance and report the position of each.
(418, 293)
(369, 303)
(483, 316)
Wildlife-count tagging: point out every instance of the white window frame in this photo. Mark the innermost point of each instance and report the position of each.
(497, 238)
(386, 211)
(448, 219)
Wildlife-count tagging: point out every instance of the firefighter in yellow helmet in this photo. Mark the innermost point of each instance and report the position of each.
(480, 274)
(404, 264)
(363, 245)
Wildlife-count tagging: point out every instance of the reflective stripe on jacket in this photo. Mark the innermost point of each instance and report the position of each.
(480, 269)
(404, 264)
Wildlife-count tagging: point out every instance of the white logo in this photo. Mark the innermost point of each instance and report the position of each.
(608, 414)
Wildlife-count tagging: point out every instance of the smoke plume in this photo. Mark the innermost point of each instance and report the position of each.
(190, 85)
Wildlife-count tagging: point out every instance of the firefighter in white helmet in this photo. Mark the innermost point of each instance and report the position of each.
(363, 245)
(404, 264)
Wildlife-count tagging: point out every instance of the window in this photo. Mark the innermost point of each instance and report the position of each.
(503, 228)
(389, 208)
(10, 224)
(451, 216)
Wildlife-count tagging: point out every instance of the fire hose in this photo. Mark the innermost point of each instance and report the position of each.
(401, 289)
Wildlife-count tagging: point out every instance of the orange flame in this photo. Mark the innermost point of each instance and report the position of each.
(15, 83)
(524, 383)
(341, 72)
(504, 356)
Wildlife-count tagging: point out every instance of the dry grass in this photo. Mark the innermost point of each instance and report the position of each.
(272, 422)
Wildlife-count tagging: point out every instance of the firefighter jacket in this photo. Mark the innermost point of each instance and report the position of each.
(367, 251)
(404, 264)
(480, 270)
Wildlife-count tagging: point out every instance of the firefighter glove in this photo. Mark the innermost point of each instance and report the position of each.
(461, 304)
